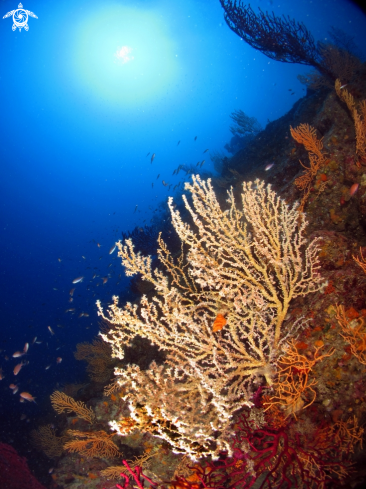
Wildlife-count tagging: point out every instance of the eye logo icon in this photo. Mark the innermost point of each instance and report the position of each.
(20, 18)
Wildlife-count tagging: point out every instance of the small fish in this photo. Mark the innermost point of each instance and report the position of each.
(72, 291)
(15, 390)
(219, 323)
(12, 386)
(50, 470)
(48, 366)
(18, 354)
(195, 138)
(99, 245)
(105, 280)
(112, 249)
(203, 161)
(59, 259)
(27, 396)
(269, 166)
(34, 340)
(353, 189)
(26, 347)
(344, 86)
(147, 154)
(55, 288)
(152, 158)
(135, 208)
(17, 368)
(178, 143)
(164, 183)
(2, 375)
(158, 176)
(58, 360)
(77, 280)
(23, 417)
(83, 257)
(205, 151)
(152, 185)
(50, 330)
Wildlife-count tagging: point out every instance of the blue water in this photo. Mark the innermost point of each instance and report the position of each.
(79, 125)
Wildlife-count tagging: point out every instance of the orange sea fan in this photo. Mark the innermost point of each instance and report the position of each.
(306, 135)
(294, 386)
(360, 261)
(354, 332)
(62, 403)
(92, 444)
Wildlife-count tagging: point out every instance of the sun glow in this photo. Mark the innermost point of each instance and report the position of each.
(123, 55)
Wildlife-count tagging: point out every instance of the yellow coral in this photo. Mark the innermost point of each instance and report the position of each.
(62, 403)
(92, 444)
(359, 117)
(246, 263)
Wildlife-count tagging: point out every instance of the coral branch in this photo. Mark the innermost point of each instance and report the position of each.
(94, 444)
(306, 135)
(62, 403)
(244, 265)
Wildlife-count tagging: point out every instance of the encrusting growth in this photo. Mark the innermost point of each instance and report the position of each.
(243, 265)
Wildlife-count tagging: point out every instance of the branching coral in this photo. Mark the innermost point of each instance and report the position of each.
(92, 444)
(354, 332)
(359, 117)
(62, 403)
(293, 387)
(45, 439)
(98, 356)
(279, 38)
(246, 264)
(306, 135)
(244, 124)
(338, 61)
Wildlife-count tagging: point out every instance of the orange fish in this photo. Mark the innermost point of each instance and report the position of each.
(26, 347)
(27, 396)
(58, 360)
(18, 354)
(219, 323)
(50, 330)
(17, 368)
(353, 189)
(72, 292)
(1, 374)
(78, 279)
